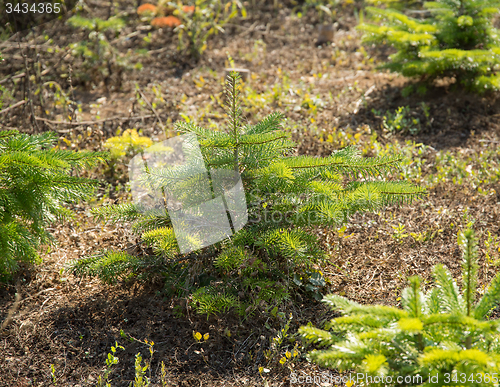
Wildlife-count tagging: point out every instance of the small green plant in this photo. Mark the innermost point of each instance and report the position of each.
(141, 380)
(206, 19)
(128, 144)
(440, 337)
(428, 235)
(101, 61)
(53, 374)
(37, 180)
(280, 350)
(140, 368)
(312, 281)
(492, 245)
(399, 121)
(163, 375)
(3, 91)
(111, 360)
(259, 48)
(479, 171)
(399, 232)
(452, 39)
(122, 148)
(426, 110)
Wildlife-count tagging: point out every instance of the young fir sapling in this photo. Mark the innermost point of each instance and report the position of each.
(447, 39)
(37, 180)
(275, 254)
(441, 334)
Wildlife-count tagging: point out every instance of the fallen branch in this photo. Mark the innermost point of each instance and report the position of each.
(13, 309)
(37, 294)
(115, 118)
(162, 127)
(12, 77)
(368, 92)
(249, 30)
(20, 103)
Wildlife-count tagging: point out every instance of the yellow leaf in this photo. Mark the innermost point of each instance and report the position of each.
(186, 118)
(197, 336)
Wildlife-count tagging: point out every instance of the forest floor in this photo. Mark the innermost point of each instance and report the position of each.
(332, 96)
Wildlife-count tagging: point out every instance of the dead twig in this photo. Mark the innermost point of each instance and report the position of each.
(163, 49)
(162, 127)
(368, 92)
(13, 309)
(12, 77)
(250, 29)
(5, 43)
(27, 83)
(115, 118)
(20, 103)
(37, 294)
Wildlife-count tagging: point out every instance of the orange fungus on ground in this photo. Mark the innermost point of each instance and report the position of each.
(188, 8)
(145, 8)
(165, 21)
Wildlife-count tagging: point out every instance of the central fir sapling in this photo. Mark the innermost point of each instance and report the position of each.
(271, 257)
